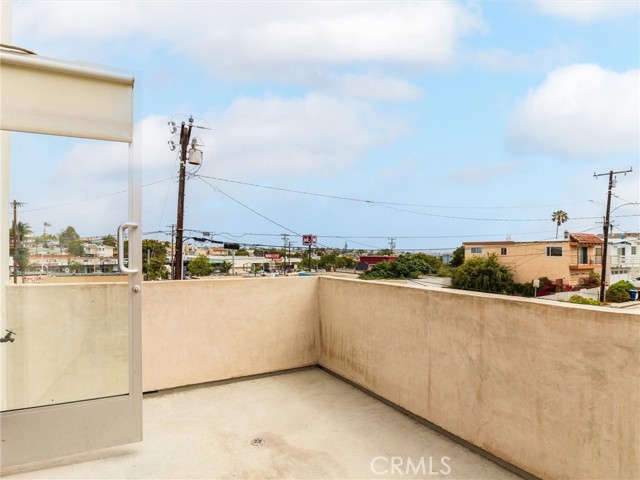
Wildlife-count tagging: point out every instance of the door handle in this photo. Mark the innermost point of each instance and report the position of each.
(121, 229)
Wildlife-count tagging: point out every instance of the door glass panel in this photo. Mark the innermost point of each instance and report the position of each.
(583, 256)
(66, 301)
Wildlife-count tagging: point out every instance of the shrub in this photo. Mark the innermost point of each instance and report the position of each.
(619, 292)
(445, 271)
(405, 266)
(524, 289)
(547, 287)
(592, 281)
(584, 301)
(483, 274)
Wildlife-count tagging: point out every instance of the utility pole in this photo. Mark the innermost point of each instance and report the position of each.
(16, 204)
(605, 228)
(194, 158)
(185, 136)
(173, 257)
(392, 245)
(290, 244)
(233, 265)
(285, 239)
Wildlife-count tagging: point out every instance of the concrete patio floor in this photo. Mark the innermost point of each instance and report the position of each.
(312, 425)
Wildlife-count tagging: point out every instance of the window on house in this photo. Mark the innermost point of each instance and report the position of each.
(633, 250)
(622, 251)
(503, 250)
(476, 249)
(554, 251)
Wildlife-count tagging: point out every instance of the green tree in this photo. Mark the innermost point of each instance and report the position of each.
(406, 265)
(242, 253)
(75, 266)
(559, 217)
(76, 248)
(434, 262)
(154, 259)
(18, 252)
(21, 256)
(483, 274)
(329, 260)
(457, 258)
(226, 267)
(346, 262)
(200, 266)
(22, 230)
(68, 235)
(110, 241)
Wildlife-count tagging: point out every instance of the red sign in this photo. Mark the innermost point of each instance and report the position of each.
(274, 256)
(309, 239)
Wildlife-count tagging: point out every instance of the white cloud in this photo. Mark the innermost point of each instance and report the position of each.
(261, 138)
(480, 173)
(540, 60)
(315, 134)
(247, 38)
(374, 87)
(586, 11)
(580, 111)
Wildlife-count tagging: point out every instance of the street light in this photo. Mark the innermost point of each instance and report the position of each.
(624, 205)
(619, 206)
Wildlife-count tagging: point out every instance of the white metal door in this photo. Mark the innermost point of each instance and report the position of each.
(70, 374)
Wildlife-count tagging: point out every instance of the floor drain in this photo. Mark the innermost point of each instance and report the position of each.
(256, 442)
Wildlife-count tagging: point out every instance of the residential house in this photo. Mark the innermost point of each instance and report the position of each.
(564, 261)
(98, 250)
(623, 257)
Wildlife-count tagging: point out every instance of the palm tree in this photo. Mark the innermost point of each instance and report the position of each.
(22, 230)
(559, 217)
(226, 267)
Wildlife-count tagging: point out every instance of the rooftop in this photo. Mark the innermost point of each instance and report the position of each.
(312, 425)
(586, 238)
(525, 381)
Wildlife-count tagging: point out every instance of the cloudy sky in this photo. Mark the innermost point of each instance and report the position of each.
(432, 122)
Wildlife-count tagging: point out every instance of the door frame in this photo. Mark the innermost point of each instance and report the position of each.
(47, 432)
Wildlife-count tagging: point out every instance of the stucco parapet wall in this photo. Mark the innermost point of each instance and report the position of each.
(551, 388)
(207, 330)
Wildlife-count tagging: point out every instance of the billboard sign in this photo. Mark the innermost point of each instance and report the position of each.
(309, 239)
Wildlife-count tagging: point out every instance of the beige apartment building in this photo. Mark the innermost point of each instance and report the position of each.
(568, 260)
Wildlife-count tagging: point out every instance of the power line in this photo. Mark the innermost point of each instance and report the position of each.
(490, 219)
(164, 205)
(248, 207)
(90, 199)
(376, 202)
(217, 189)
(392, 205)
